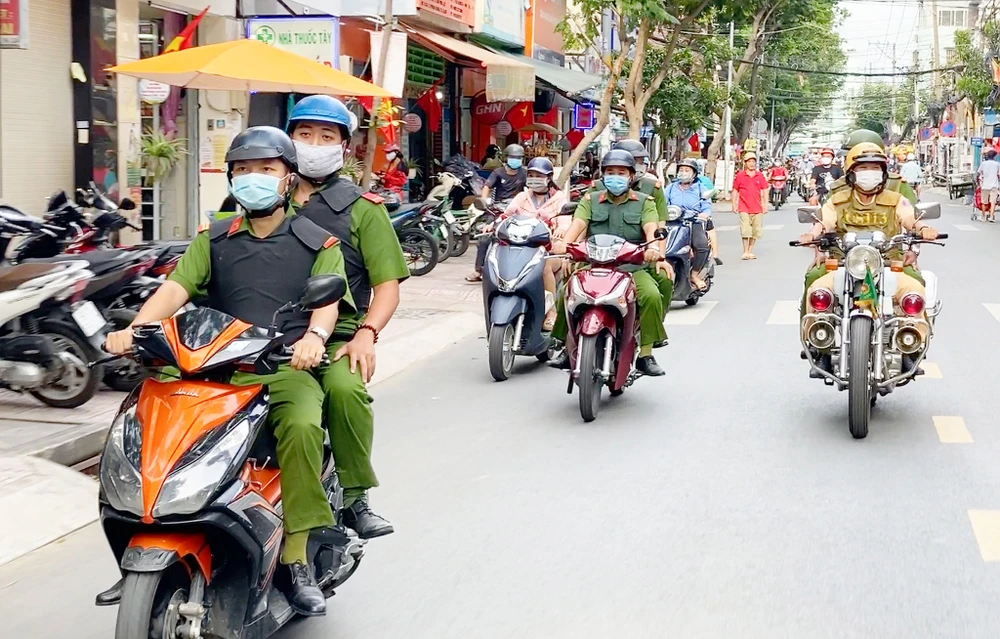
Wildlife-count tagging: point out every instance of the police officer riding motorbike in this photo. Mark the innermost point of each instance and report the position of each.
(247, 267)
(320, 129)
(893, 183)
(619, 210)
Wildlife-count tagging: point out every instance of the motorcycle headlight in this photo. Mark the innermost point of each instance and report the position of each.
(616, 297)
(674, 213)
(120, 463)
(863, 258)
(200, 471)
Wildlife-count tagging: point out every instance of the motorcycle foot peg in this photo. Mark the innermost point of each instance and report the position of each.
(828, 381)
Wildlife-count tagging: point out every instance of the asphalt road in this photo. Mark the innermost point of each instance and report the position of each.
(724, 500)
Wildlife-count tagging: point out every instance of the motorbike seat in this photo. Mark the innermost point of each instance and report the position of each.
(405, 212)
(100, 262)
(13, 276)
(13, 216)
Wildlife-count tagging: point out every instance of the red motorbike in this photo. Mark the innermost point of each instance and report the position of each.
(602, 316)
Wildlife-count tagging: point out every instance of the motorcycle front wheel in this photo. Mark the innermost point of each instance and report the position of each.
(859, 390)
(501, 346)
(148, 607)
(590, 383)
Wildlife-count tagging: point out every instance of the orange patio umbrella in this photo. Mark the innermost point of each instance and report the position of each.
(247, 65)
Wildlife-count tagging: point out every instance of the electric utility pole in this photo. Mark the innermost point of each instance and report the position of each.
(366, 176)
(729, 111)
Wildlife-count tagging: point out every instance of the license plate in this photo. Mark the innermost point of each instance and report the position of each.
(88, 318)
(449, 217)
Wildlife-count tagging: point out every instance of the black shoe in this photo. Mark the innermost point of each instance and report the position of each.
(648, 366)
(560, 360)
(718, 262)
(660, 344)
(366, 523)
(304, 596)
(110, 597)
(909, 363)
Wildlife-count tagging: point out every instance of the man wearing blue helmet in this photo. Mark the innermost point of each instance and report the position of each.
(320, 127)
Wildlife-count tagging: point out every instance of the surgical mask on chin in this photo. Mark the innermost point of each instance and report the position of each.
(616, 184)
(259, 194)
(537, 184)
(514, 163)
(317, 162)
(868, 180)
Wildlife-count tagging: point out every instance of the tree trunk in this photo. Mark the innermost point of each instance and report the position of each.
(633, 110)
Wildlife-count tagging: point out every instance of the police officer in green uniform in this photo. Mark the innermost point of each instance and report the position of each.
(894, 183)
(248, 266)
(320, 128)
(618, 210)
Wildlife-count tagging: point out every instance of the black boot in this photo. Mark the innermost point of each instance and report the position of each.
(304, 596)
(647, 366)
(560, 360)
(364, 521)
(660, 344)
(110, 597)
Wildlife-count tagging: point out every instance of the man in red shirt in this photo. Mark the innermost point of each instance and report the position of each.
(750, 190)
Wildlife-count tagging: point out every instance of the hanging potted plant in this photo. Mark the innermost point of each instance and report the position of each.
(160, 154)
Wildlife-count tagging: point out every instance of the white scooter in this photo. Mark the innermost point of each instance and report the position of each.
(48, 334)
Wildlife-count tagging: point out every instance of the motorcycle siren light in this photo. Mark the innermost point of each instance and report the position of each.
(821, 299)
(912, 304)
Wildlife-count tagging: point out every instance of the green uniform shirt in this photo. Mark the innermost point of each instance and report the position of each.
(374, 237)
(194, 269)
(649, 215)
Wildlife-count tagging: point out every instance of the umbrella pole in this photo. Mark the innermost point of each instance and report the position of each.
(366, 178)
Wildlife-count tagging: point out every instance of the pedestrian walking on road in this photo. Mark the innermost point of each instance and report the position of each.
(750, 190)
(989, 182)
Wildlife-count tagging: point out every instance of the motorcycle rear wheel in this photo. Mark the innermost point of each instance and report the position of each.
(591, 352)
(501, 347)
(144, 609)
(418, 244)
(78, 385)
(461, 243)
(859, 390)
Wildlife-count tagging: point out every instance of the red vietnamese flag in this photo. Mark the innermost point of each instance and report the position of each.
(429, 104)
(520, 115)
(367, 102)
(186, 36)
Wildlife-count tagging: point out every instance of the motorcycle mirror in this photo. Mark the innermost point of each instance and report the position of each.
(322, 290)
(480, 204)
(127, 205)
(569, 208)
(928, 210)
(808, 214)
(660, 234)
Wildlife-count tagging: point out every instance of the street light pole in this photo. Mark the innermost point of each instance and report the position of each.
(729, 111)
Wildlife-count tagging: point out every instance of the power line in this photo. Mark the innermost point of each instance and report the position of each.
(850, 73)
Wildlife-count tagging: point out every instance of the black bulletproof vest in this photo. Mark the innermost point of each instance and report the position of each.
(331, 210)
(252, 277)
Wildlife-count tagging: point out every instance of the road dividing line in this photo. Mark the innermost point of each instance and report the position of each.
(785, 312)
(689, 316)
(931, 370)
(966, 227)
(952, 430)
(994, 310)
(772, 227)
(727, 228)
(986, 526)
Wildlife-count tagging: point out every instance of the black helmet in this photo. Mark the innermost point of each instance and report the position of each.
(635, 147)
(541, 165)
(689, 163)
(262, 143)
(618, 157)
(514, 151)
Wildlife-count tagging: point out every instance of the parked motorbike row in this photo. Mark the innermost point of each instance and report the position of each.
(66, 284)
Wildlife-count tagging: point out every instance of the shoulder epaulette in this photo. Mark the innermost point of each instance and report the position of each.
(373, 198)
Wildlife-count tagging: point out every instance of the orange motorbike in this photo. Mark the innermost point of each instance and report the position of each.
(190, 495)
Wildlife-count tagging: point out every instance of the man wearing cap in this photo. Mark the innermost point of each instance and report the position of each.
(750, 191)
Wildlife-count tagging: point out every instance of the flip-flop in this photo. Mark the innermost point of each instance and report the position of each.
(472, 279)
(751, 256)
(746, 256)
(548, 324)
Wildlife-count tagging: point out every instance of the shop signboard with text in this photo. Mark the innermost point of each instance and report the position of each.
(462, 11)
(314, 38)
(548, 15)
(13, 24)
(504, 20)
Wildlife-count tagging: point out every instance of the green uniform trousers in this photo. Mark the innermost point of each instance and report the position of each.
(296, 415)
(351, 421)
(650, 295)
(666, 287)
(817, 272)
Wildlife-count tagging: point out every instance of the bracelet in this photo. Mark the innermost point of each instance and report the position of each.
(371, 328)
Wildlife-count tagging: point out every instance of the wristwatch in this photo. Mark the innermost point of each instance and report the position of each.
(320, 332)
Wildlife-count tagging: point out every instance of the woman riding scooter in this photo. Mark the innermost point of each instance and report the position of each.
(686, 193)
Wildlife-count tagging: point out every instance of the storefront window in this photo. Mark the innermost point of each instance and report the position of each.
(104, 100)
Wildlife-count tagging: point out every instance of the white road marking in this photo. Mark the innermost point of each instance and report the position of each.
(727, 228)
(689, 316)
(986, 527)
(994, 310)
(931, 370)
(951, 430)
(773, 227)
(785, 312)
(966, 227)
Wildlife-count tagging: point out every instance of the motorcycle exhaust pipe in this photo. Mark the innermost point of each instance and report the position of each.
(908, 340)
(21, 374)
(822, 335)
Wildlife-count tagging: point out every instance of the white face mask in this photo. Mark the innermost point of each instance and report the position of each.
(391, 155)
(318, 162)
(537, 184)
(868, 180)
(640, 170)
(826, 160)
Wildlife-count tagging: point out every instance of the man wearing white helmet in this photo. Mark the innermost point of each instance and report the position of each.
(911, 173)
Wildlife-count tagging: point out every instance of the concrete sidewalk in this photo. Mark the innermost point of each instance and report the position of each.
(37, 442)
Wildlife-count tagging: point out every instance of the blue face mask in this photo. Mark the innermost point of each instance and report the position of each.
(617, 184)
(514, 163)
(256, 192)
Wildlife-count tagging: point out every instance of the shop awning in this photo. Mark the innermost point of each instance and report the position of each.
(507, 80)
(571, 83)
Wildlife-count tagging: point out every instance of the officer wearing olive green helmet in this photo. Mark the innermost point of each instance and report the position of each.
(644, 181)
(893, 183)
